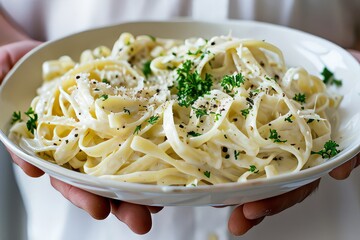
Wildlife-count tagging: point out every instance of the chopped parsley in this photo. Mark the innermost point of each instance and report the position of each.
(236, 154)
(329, 149)
(207, 174)
(33, 117)
(137, 129)
(217, 116)
(193, 134)
(105, 81)
(146, 69)
(104, 97)
(275, 137)
(190, 84)
(288, 119)
(199, 51)
(253, 169)
(230, 82)
(16, 117)
(300, 97)
(153, 119)
(245, 112)
(199, 112)
(329, 78)
(126, 111)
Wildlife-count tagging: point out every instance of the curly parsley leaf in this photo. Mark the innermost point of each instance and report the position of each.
(300, 97)
(275, 137)
(228, 83)
(146, 69)
(33, 117)
(153, 119)
(16, 117)
(329, 78)
(329, 150)
(190, 84)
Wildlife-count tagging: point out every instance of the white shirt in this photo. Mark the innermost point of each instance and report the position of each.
(332, 213)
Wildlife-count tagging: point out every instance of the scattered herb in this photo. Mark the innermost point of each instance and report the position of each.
(207, 174)
(146, 69)
(193, 134)
(329, 78)
(104, 97)
(33, 117)
(329, 149)
(105, 81)
(190, 85)
(137, 129)
(236, 154)
(230, 82)
(288, 119)
(199, 51)
(126, 111)
(245, 112)
(199, 112)
(153, 119)
(253, 169)
(16, 117)
(276, 138)
(300, 97)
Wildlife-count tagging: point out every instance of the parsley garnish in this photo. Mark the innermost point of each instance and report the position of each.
(137, 129)
(329, 78)
(300, 97)
(253, 169)
(153, 119)
(276, 138)
(105, 81)
(104, 97)
(193, 134)
(126, 111)
(288, 119)
(190, 85)
(329, 150)
(199, 51)
(229, 82)
(199, 112)
(16, 117)
(245, 112)
(207, 174)
(236, 154)
(146, 69)
(33, 117)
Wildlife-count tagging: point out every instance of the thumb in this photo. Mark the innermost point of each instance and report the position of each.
(11, 53)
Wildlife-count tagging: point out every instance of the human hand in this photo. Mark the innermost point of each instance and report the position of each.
(248, 215)
(137, 217)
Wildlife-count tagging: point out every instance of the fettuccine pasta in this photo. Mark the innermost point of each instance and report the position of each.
(171, 112)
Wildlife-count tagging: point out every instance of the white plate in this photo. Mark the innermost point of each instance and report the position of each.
(299, 48)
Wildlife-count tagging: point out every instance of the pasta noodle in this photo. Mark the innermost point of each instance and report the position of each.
(172, 112)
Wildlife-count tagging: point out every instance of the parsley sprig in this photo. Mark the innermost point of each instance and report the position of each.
(329, 149)
(33, 117)
(16, 117)
(329, 78)
(228, 83)
(275, 137)
(146, 69)
(300, 97)
(153, 119)
(190, 84)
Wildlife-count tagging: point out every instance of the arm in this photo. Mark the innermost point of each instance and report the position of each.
(13, 45)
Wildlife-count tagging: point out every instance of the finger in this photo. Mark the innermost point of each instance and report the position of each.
(342, 172)
(154, 209)
(11, 53)
(137, 217)
(29, 169)
(274, 205)
(238, 224)
(98, 207)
